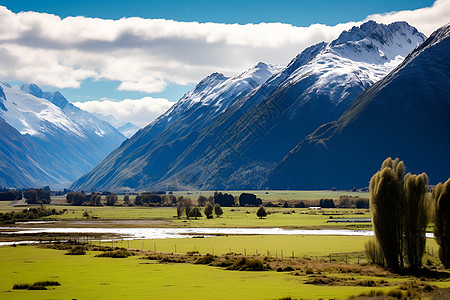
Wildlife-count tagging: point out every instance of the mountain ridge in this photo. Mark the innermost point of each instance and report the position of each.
(410, 102)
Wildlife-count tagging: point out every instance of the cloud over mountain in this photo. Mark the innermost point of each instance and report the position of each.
(140, 111)
(148, 54)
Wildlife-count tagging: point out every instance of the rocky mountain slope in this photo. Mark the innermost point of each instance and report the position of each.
(404, 115)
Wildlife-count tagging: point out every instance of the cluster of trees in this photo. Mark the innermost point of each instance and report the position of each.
(28, 214)
(400, 215)
(327, 203)
(37, 196)
(111, 199)
(246, 199)
(224, 200)
(186, 206)
(148, 198)
(78, 199)
(10, 195)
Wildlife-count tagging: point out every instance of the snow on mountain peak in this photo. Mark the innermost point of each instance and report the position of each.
(32, 115)
(377, 43)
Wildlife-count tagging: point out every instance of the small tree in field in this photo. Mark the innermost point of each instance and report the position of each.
(218, 210)
(441, 196)
(208, 210)
(261, 213)
(195, 213)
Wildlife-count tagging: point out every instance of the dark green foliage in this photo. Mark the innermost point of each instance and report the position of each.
(441, 196)
(126, 199)
(386, 202)
(93, 199)
(202, 200)
(326, 203)
(111, 199)
(77, 250)
(300, 204)
(225, 200)
(261, 213)
(21, 286)
(27, 214)
(184, 204)
(37, 196)
(208, 210)
(10, 195)
(180, 207)
(247, 199)
(39, 285)
(362, 203)
(169, 199)
(195, 213)
(76, 198)
(148, 199)
(218, 210)
(415, 218)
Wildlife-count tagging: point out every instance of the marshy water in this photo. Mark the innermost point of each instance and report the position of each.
(170, 233)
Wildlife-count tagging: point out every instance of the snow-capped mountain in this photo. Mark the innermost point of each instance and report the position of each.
(69, 141)
(125, 128)
(405, 115)
(192, 146)
(316, 87)
(157, 146)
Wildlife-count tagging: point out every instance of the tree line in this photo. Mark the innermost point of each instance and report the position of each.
(401, 212)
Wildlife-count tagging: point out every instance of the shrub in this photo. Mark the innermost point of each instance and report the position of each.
(120, 253)
(76, 250)
(247, 264)
(38, 285)
(374, 252)
(205, 260)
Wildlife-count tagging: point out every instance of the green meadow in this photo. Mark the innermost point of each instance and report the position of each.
(89, 277)
(232, 217)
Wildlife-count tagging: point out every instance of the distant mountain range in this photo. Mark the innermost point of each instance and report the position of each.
(125, 128)
(46, 140)
(235, 133)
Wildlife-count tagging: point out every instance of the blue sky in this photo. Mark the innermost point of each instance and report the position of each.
(94, 59)
(295, 12)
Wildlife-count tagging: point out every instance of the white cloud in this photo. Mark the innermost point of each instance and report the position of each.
(148, 54)
(140, 111)
(426, 20)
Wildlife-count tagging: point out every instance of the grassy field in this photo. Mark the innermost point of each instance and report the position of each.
(232, 217)
(89, 277)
